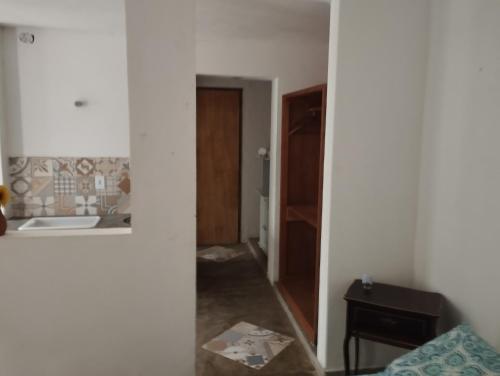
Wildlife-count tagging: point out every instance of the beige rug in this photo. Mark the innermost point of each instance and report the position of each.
(218, 254)
(249, 345)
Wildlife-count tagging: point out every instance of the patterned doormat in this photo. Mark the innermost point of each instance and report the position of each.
(218, 254)
(248, 344)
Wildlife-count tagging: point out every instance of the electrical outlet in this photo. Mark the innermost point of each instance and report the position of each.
(100, 184)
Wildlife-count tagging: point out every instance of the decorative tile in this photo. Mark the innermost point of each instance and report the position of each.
(85, 167)
(44, 206)
(19, 166)
(21, 207)
(123, 165)
(108, 204)
(85, 185)
(86, 205)
(218, 254)
(64, 167)
(45, 186)
(41, 167)
(42, 187)
(124, 183)
(21, 186)
(64, 185)
(123, 205)
(106, 166)
(112, 185)
(113, 204)
(249, 345)
(65, 205)
(18, 212)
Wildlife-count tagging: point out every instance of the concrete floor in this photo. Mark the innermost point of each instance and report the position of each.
(235, 291)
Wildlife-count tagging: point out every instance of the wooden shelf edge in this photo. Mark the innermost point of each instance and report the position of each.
(305, 213)
(306, 327)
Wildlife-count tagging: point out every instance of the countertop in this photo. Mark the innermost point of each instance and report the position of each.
(108, 225)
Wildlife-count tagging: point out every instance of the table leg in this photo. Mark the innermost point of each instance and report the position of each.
(347, 361)
(356, 369)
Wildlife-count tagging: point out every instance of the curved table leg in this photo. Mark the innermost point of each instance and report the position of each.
(356, 369)
(346, 355)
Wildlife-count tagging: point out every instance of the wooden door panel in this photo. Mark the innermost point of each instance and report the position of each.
(218, 166)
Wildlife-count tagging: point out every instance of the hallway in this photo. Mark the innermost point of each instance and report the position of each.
(235, 291)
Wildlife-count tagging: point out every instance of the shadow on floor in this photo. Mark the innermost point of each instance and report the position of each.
(235, 291)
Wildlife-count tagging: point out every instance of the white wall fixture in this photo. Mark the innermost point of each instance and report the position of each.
(100, 184)
(81, 103)
(263, 152)
(27, 38)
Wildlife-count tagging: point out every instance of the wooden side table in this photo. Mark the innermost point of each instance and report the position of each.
(389, 314)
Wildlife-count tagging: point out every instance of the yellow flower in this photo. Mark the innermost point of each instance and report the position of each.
(4, 195)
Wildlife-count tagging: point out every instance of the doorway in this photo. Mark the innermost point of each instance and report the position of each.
(233, 138)
(233, 141)
(218, 162)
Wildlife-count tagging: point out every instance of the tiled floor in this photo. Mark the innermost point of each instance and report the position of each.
(218, 254)
(236, 291)
(249, 344)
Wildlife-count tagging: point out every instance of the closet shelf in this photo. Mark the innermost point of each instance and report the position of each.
(304, 126)
(310, 119)
(315, 109)
(306, 213)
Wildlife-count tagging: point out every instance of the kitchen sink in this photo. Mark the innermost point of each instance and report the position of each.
(60, 223)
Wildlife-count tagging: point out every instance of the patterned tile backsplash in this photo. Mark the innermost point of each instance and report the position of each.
(67, 186)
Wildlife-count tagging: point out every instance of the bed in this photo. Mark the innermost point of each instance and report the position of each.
(458, 352)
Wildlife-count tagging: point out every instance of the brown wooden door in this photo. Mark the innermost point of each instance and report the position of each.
(218, 123)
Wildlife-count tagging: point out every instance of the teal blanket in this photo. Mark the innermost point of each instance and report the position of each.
(458, 352)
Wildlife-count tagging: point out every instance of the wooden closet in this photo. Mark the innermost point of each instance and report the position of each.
(303, 130)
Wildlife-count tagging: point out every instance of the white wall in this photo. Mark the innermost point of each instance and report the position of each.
(256, 128)
(373, 137)
(43, 80)
(67, 14)
(295, 56)
(3, 118)
(121, 305)
(457, 244)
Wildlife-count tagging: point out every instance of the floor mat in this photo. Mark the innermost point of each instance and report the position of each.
(248, 344)
(218, 254)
